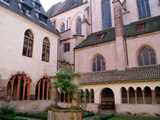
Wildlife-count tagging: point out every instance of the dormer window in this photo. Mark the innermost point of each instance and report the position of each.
(43, 18)
(26, 11)
(5, 1)
(37, 6)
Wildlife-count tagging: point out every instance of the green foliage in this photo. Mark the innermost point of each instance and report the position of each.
(87, 114)
(8, 112)
(6, 109)
(37, 115)
(64, 81)
(112, 117)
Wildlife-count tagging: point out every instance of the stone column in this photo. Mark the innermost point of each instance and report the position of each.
(128, 100)
(28, 89)
(12, 89)
(43, 88)
(136, 97)
(153, 97)
(24, 88)
(47, 90)
(38, 95)
(144, 101)
(120, 40)
(18, 87)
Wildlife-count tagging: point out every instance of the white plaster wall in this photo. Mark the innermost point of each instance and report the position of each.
(12, 32)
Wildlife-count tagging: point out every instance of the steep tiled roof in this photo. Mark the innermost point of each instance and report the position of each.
(137, 28)
(63, 7)
(129, 75)
(31, 10)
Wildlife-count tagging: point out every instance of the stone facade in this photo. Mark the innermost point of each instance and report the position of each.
(20, 74)
(119, 47)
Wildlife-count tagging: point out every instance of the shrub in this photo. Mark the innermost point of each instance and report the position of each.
(7, 110)
(38, 115)
(88, 114)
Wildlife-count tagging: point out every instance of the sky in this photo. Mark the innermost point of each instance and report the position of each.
(48, 3)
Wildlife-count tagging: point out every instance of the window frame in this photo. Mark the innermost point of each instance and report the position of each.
(28, 44)
(46, 50)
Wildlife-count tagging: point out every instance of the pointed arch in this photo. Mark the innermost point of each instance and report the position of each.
(62, 27)
(46, 50)
(98, 63)
(106, 14)
(28, 43)
(146, 56)
(43, 89)
(18, 87)
(79, 26)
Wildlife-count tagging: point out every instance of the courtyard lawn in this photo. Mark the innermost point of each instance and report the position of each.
(133, 118)
(97, 117)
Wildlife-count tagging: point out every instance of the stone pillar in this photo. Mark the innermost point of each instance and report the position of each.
(28, 89)
(47, 90)
(24, 88)
(12, 89)
(120, 40)
(144, 101)
(128, 100)
(136, 97)
(38, 95)
(153, 97)
(18, 88)
(43, 88)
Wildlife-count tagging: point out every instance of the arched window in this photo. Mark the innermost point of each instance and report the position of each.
(18, 87)
(131, 95)
(157, 94)
(79, 26)
(46, 50)
(82, 96)
(92, 96)
(124, 95)
(28, 44)
(146, 56)
(106, 14)
(98, 64)
(139, 95)
(148, 95)
(43, 89)
(87, 96)
(62, 29)
(143, 8)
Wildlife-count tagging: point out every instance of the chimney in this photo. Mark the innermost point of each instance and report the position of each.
(120, 40)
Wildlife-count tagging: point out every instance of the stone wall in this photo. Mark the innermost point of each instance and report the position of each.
(30, 106)
(67, 115)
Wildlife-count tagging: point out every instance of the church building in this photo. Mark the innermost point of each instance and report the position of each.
(114, 45)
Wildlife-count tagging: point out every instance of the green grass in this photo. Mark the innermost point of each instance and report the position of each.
(97, 117)
(133, 118)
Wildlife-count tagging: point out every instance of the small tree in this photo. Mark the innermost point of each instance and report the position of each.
(65, 81)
